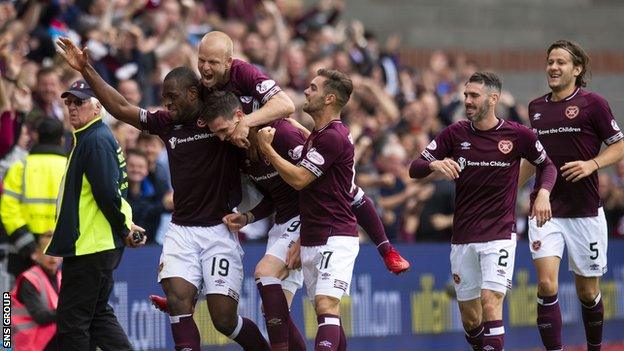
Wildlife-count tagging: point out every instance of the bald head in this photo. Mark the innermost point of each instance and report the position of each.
(215, 59)
(218, 42)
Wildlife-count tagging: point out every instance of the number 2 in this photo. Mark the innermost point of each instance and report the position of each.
(504, 255)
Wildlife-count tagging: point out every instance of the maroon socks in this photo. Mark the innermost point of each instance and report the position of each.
(328, 334)
(474, 337)
(549, 321)
(185, 333)
(593, 314)
(276, 313)
(493, 335)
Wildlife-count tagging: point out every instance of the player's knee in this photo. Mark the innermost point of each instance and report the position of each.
(225, 324)
(471, 321)
(178, 305)
(326, 305)
(263, 270)
(587, 294)
(547, 287)
(492, 304)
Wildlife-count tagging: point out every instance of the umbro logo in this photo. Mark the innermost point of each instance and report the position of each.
(537, 116)
(465, 145)
(325, 343)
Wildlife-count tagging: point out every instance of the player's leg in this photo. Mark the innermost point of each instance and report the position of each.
(367, 217)
(268, 275)
(180, 276)
(222, 270)
(497, 260)
(546, 244)
(467, 283)
(586, 239)
(277, 285)
(471, 316)
(327, 271)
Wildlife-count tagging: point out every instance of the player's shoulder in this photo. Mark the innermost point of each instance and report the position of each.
(539, 100)
(592, 97)
(458, 127)
(517, 127)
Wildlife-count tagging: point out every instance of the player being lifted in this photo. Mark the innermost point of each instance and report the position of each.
(198, 249)
(572, 123)
(482, 156)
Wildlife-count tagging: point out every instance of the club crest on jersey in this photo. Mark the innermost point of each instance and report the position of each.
(456, 278)
(315, 157)
(536, 245)
(615, 126)
(572, 111)
(505, 146)
(432, 145)
(295, 153)
(264, 86)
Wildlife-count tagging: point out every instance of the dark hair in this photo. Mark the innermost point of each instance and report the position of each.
(136, 152)
(488, 79)
(50, 131)
(337, 83)
(219, 104)
(46, 71)
(185, 76)
(579, 58)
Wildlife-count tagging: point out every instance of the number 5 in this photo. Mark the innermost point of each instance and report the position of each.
(594, 249)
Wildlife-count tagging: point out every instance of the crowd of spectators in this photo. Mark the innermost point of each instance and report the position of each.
(393, 113)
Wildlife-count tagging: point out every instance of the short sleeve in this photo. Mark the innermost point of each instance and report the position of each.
(253, 82)
(288, 142)
(440, 147)
(530, 147)
(327, 147)
(606, 126)
(154, 122)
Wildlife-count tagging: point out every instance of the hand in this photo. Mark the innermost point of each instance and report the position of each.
(541, 208)
(577, 170)
(388, 180)
(265, 138)
(239, 135)
(293, 257)
(235, 221)
(130, 242)
(441, 221)
(76, 58)
(447, 167)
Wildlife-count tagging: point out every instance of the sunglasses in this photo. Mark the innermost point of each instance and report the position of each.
(78, 103)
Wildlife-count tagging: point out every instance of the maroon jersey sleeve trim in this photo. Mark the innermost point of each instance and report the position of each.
(311, 167)
(276, 89)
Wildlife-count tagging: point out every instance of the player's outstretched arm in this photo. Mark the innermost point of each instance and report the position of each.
(110, 98)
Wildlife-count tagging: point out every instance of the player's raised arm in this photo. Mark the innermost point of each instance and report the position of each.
(110, 98)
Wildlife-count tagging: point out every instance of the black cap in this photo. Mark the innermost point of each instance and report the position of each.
(79, 89)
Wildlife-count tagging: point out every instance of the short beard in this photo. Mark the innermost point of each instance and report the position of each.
(479, 116)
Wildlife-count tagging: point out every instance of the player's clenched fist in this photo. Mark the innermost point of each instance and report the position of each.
(447, 167)
(265, 138)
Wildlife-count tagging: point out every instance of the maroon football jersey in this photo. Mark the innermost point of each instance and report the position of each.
(251, 85)
(486, 189)
(288, 142)
(573, 129)
(325, 204)
(205, 173)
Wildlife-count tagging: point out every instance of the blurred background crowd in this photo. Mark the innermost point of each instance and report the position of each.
(395, 109)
